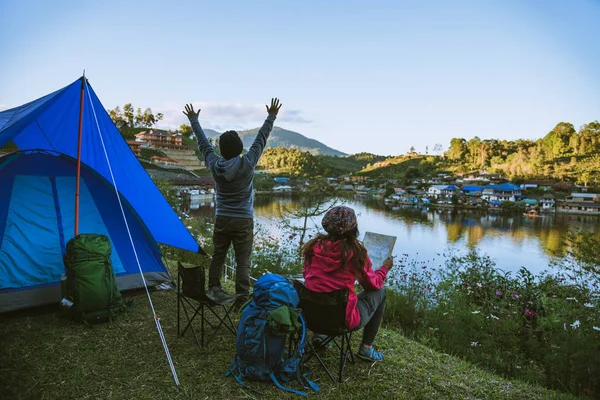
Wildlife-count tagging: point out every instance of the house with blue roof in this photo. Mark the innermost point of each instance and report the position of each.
(502, 192)
(472, 190)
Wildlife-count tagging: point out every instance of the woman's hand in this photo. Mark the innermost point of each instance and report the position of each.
(389, 262)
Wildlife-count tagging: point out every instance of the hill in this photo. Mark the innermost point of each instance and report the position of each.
(284, 138)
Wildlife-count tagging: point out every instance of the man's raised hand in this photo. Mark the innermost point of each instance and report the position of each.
(189, 111)
(275, 106)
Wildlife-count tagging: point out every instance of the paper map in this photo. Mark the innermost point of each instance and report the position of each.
(379, 247)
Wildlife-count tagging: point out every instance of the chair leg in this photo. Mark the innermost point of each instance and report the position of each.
(190, 321)
(202, 325)
(342, 359)
(178, 314)
(349, 348)
(314, 353)
(222, 322)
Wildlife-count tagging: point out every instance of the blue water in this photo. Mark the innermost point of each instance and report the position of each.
(425, 234)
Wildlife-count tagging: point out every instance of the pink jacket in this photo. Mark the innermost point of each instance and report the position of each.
(324, 273)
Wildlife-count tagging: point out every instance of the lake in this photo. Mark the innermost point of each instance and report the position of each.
(512, 241)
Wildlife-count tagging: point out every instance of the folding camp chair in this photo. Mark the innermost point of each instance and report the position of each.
(325, 313)
(191, 292)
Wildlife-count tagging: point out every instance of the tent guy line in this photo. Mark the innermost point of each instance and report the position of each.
(156, 318)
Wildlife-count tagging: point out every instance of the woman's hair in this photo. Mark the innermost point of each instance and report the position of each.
(350, 247)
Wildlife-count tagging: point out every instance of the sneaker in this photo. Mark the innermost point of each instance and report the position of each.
(318, 340)
(218, 295)
(369, 355)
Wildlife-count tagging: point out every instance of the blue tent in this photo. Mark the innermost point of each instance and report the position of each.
(37, 198)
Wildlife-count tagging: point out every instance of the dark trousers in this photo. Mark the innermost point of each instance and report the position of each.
(371, 306)
(240, 233)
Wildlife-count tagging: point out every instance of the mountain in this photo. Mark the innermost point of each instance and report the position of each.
(283, 138)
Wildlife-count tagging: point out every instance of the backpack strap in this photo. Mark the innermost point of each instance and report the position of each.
(280, 386)
(235, 372)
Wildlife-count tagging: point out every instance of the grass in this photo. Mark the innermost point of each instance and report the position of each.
(46, 356)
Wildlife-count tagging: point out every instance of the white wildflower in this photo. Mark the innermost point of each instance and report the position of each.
(595, 328)
(493, 316)
(588, 305)
(479, 284)
(189, 227)
(575, 324)
(474, 344)
(572, 298)
(518, 367)
(475, 312)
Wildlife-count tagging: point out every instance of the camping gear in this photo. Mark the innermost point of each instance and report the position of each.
(73, 124)
(191, 293)
(37, 220)
(91, 283)
(325, 314)
(268, 320)
(38, 191)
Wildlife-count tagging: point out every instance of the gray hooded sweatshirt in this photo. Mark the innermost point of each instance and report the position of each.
(233, 177)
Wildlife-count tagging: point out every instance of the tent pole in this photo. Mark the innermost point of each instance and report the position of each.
(79, 157)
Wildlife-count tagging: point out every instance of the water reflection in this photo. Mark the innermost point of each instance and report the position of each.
(512, 241)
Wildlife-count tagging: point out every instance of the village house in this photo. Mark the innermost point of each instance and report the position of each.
(580, 203)
(135, 147)
(502, 192)
(163, 160)
(537, 184)
(472, 190)
(436, 191)
(583, 198)
(450, 191)
(161, 139)
(547, 202)
(352, 178)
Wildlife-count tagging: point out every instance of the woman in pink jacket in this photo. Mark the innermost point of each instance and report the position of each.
(335, 261)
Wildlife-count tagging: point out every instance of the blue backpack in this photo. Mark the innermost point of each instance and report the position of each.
(266, 323)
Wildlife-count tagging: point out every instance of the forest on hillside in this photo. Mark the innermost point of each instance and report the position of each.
(564, 153)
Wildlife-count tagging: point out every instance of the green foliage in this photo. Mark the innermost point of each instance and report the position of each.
(146, 152)
(543, 329)
(128, 118)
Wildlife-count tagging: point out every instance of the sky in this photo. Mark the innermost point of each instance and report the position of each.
(377, 76)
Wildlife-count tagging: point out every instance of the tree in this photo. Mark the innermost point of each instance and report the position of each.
(298, 219)
(457, 149)
(585, 177)
(118, 118)
(589, 138)
(474, 148)
(186, 130)
(426, 149)
(412, 149)
(127, 119)
(437, 148)
(557, 142)
(128, 115)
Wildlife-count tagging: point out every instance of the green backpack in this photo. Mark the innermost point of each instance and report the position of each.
(91, 283)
